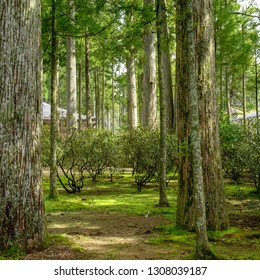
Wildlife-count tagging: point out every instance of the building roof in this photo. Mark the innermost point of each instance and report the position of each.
(46, 112)
(248, 116)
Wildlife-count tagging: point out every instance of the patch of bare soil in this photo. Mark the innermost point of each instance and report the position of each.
(90, 235)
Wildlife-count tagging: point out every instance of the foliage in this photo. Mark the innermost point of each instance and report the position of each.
(240, 152)
(98, 151)
(89, 152)
(141, 149)
(237, 39)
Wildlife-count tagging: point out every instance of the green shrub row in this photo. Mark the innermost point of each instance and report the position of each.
(240, 153)
(92, 153)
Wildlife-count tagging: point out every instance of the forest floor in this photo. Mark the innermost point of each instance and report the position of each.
(113, 221)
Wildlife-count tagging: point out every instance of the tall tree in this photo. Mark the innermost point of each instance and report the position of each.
(149, 76)
(162, 31)
(54, 110)
(22, 223)
(256, 93)
(71, 81)
(87, 82)
(80, 96)
(97, 96)
(131, 91)
(202, 249)
(208, 121)
(163, 75)
(113, 99)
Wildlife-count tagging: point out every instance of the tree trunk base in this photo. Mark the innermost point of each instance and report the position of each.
(164, 204)
(205, 254)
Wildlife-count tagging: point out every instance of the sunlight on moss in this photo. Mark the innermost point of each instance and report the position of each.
(121, 196)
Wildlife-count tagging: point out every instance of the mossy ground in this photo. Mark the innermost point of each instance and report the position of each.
(112, 220)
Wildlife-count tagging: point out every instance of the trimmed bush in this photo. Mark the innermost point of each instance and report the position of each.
(142, 154)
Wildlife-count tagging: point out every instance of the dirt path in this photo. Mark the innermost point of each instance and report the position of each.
(104, 236)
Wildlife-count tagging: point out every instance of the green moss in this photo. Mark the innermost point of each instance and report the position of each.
(121, 196)
(13, 252)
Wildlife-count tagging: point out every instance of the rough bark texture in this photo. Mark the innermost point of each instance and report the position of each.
(149, 78)
(202, 242)
(210, 144)
(22, 223)
(71, 80)
(131, 90)
(162, 70)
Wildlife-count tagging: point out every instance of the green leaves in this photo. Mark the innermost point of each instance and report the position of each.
(142, 153)
(240, 153)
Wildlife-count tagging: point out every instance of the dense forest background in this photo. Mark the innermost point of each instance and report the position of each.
(104, 38)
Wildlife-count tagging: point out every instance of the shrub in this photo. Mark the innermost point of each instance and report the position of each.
(232, 138)
(142, 153)
(99, 152)
(89, 152)
(69, 162)
(240, 153)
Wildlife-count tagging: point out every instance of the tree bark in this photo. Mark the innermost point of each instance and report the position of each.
(243, 82)
(162, 70)
(87, 83)
(22, 225)
(202, 244)
(97, 97)
(256, 95)
(228, 101)
(166, 62)
(80, 96)
(210, 143)
(71, 76)
(113, 101)
(131, 89)
(54, 107)
(103, 97)
(149, 78)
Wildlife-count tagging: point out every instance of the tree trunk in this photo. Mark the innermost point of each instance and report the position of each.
(202, 244)
(87, 83)
(149, 79)
(131, 89)
(228, 101)
(103, 98)
(22, 225)
(243, 83)
(210, 143)
(54, 107)
(162, 70)
(71, 76)
(166, 62)
(140, 87)
(97, 98)
(256, 95)
(113, 101)
(80, 96)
